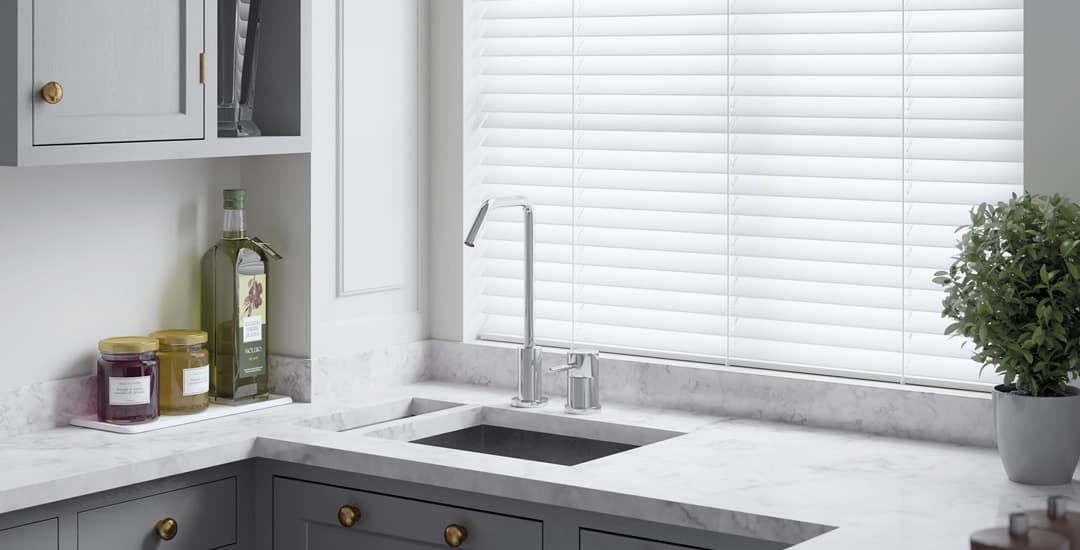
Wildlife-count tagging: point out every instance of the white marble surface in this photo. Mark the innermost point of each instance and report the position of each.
(777, 481)
(45, 405)
(911, 412)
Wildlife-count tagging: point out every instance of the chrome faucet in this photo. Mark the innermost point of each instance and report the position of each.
(582, 381)
(530, 374)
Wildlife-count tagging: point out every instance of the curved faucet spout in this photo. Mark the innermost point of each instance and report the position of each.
(487, 206)
(530, 392)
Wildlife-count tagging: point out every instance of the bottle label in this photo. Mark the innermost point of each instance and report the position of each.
(129, 391)
(252, 315)
(196, 381)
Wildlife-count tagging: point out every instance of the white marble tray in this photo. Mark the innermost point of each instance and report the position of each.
(215, 411)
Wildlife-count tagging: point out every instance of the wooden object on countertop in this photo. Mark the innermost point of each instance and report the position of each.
(1059, 519)
(1018, 536)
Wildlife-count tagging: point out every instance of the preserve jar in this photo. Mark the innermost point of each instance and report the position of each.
(128, 380)
(184, 371)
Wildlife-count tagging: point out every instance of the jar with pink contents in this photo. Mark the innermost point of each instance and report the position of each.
(128, 380)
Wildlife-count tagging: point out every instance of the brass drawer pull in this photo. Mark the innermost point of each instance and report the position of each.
(455, 535)
(166, 529)
(347, 515)
(52, 92)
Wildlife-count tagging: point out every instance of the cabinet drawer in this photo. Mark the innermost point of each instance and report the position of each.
(205, 517)
(42, 535)
(595, 540)
(306, 518)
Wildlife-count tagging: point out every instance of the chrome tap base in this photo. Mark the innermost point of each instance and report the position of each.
(522, 404)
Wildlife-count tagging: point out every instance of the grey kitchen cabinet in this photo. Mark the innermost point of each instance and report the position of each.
(210, 509)
(202, 517)
(315, 516)
(128, 71)
(41, 535)
(90, 81)
(596, 540)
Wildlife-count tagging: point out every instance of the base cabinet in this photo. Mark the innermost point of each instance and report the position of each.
(205, 510)
(322, 509)
(41, 535)
(313, 516)
(595, 540)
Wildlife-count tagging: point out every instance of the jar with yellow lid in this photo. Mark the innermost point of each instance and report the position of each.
(128, 380)
(185, 371)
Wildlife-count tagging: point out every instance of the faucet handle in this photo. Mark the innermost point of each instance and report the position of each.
(583, 381)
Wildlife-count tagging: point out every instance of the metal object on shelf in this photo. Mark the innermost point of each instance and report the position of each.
(238, 54)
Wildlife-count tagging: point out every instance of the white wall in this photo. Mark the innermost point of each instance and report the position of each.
(88, 252)
(447, 169)
(278, 210)
(368, 265)
(1052, 97)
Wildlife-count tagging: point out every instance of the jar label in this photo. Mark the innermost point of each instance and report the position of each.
(196, 381)
(129, 391)
(251, 359)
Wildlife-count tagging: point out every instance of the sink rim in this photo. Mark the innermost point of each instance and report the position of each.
(581, 427)
(368, 416)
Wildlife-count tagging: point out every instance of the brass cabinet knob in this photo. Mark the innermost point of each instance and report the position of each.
(52, 93)
(455, 535)
(166, 529)
(347, 515)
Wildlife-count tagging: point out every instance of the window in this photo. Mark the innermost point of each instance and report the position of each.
(755, 182)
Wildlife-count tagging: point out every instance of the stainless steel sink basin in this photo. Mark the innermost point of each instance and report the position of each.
(526, 444)
(539, 437)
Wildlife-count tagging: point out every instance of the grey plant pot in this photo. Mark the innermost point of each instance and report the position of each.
(1038, 438)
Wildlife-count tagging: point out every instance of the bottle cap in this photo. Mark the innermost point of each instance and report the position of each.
(234, 199)
(128, 344)
(180, 337)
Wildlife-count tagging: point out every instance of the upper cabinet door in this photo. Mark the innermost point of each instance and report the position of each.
(129, 70)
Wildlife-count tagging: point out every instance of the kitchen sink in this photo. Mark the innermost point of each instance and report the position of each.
(378, 413)
(539, 437)
(526, 444)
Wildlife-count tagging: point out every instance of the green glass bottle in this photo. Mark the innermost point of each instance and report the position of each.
(235, 284)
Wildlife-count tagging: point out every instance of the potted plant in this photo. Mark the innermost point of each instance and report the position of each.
(1014, 292)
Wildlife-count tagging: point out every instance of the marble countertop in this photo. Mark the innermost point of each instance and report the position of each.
(810, 487)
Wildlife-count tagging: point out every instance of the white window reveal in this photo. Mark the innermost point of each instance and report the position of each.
(753, 182)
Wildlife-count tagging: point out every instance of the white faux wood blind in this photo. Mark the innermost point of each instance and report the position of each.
(760, 182)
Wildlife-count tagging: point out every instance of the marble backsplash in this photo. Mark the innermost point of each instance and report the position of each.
(852, 405)
(910, 412)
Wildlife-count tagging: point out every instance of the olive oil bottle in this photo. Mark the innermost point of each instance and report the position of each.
(235, 284)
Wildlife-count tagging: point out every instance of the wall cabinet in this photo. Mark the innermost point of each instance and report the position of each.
(141, 83)
(123, 80)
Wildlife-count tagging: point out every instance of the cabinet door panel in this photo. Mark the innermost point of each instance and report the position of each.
(129, 70)
(205, 516)
(35, 536)
(596, 540)
(305, 518)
